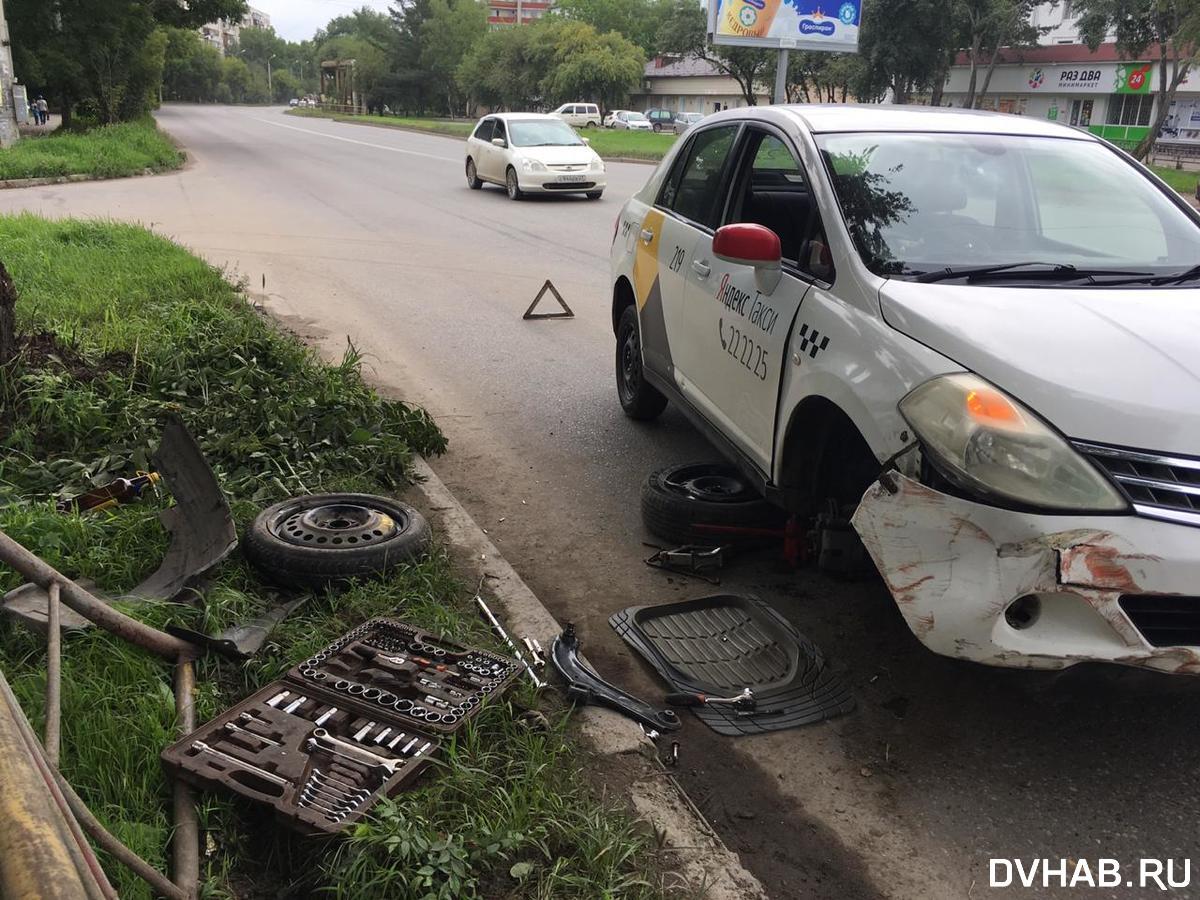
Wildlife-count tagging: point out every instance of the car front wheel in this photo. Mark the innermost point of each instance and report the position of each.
(473, 181)
(639, 399)
(512, 186)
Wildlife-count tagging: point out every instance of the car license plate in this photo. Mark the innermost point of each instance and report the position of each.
(570, 178)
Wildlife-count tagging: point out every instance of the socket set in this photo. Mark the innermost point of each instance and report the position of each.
(427, 681)
(322, 754)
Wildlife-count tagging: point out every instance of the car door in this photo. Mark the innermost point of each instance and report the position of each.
(498, 156)
(737, 332)
(684, 211)
(480, 146)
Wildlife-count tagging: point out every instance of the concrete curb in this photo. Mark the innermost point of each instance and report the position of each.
(343, 120)
(702, 859)
(16, 183)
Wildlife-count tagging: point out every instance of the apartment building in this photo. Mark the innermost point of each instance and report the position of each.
(502, 13)
(223, 34)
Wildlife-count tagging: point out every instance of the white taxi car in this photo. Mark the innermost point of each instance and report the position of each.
(532, 153)
(979, 333)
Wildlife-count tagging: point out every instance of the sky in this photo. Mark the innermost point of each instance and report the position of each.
(296, 20)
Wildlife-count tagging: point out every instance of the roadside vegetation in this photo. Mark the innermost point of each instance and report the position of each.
(1183, 180)
(119, 329)
(110, 151)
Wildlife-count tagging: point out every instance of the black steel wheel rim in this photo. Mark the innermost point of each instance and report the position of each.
(339, 526)
(631, 364)
(710, 483)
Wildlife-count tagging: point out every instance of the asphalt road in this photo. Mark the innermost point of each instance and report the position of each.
(372, 235)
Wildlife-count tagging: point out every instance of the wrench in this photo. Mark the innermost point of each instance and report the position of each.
(320, 736)
(346, 787)
(330, 796)
(333, 815)
(234, 728)
(202, 747)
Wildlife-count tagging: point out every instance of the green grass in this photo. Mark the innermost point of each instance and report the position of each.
(111, 151)
(143, 329)
(1182, 180)
(609, 143)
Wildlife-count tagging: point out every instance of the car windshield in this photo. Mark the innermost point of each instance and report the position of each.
(541, 133)
(635, 117)
(691, 117)
(918, 203)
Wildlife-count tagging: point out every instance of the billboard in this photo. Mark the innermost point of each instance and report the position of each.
(791, 24)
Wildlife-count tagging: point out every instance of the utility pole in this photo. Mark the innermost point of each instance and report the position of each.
(270, 87)
(8, 111)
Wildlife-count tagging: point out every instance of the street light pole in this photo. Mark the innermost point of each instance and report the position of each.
(270, 86)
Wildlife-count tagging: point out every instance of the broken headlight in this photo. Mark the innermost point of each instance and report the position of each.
(988, 444)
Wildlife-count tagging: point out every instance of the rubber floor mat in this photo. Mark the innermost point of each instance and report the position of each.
(719, 645)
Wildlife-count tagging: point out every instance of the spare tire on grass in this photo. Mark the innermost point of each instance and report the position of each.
(678, 498)
(317, 539)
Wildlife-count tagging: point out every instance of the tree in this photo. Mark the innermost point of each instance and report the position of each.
(600, 67)
(902, 45)
(502, 69)
(822, 77)
(105, 54)
(236, 77)
(989, 26)
(192, 69)
(366, 24)
(1167, 29)
(638, 20)
(452, 28)
(684, 31)
(370, 63)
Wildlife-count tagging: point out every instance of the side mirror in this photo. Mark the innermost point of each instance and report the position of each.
(587, 142)
(500, 142)
(751, 245)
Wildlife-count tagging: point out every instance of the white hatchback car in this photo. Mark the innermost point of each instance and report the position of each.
(977, 333)
(532, 153)
(631, 121)
(579, 115)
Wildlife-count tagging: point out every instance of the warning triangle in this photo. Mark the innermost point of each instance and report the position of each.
(566, 310)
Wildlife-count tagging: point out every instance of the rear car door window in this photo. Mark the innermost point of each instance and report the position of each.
(773, 191)
(486, 130)
(693, 188)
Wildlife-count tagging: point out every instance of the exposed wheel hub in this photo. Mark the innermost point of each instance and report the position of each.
(337, 524)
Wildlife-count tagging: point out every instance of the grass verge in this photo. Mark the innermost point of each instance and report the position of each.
(1182, 180)
(123, 329)
(110, 151)
(609, 143)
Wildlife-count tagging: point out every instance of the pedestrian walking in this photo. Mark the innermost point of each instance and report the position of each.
(43, 110)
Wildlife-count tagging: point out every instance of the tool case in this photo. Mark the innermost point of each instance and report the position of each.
(356, 722)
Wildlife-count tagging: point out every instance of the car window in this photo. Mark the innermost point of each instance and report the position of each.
(771, 190)
(592, 110)
(485, 130)
(922, 202)
(542, 133)
(500, 131)
(692, 191)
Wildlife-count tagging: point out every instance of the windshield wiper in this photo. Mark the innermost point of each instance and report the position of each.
(1185, 275)
(1017, 270)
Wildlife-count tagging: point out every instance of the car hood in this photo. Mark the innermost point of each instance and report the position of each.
(558, 156)
(1113, 366)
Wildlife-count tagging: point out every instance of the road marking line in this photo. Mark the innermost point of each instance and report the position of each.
(334, 137)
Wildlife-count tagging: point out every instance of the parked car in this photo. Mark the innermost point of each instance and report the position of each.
(970, 332)
(612, 117)
(684, 121)
(579, 115)
(631, 121)
(532, 153)
(660, 119)
(294, 102)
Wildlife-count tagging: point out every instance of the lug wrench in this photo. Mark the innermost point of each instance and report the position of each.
(202, 747)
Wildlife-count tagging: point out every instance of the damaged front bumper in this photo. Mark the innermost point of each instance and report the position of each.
(1035, 591)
